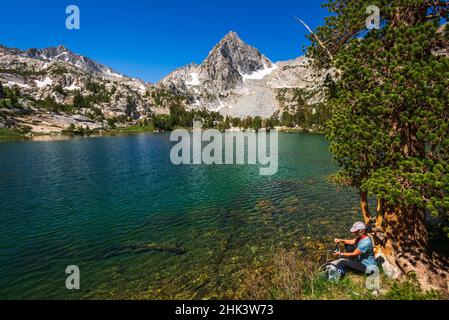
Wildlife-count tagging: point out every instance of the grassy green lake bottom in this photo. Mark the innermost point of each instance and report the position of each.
(139, 227)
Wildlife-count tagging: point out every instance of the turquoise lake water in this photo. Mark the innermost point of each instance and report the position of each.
(139, 227)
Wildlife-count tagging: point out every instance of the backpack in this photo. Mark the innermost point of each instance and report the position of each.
(333, 274)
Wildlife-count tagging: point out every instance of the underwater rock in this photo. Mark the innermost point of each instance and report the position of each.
(174, 249)
(290, 205)
(151, 247)
(265, 206)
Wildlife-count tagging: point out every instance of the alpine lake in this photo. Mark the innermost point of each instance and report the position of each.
(139, 227)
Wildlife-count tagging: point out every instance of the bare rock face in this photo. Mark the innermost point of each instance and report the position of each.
(230, 60)
(60, 53)
(48, 82)
(181, 80)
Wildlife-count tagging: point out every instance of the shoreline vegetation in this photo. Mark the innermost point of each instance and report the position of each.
(11, 133)
(7, 134)
(294, 275)
(87, 119)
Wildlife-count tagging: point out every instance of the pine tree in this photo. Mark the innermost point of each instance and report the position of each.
(227, 123)
(390, 123)
(257, 123)
(78, 101)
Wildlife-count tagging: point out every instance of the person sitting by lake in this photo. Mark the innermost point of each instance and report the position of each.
(359, 255)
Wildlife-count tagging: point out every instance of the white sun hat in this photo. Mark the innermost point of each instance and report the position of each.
(358, 226)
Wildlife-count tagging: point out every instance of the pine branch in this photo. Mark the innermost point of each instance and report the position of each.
(317, 39)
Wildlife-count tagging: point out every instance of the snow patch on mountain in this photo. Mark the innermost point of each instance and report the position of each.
(195, 80)
(11, 84)
(72, 87)
(46, 82)
(260, 74)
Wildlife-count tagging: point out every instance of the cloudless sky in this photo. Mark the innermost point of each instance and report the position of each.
(149, 39)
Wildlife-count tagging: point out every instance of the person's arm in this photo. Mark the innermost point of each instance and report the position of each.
(347, 242)
(356, 253)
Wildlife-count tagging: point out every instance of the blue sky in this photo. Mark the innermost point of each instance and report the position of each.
(148, 39)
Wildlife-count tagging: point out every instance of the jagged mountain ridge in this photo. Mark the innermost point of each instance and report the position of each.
(61, 53)
(225, 66)
(236, 79)
(50, 80)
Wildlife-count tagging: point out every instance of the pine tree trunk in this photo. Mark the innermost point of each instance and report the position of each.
(405, 247)
(365, 207)
(401, 238)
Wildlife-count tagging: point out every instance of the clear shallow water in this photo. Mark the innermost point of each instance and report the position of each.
(139, 227)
